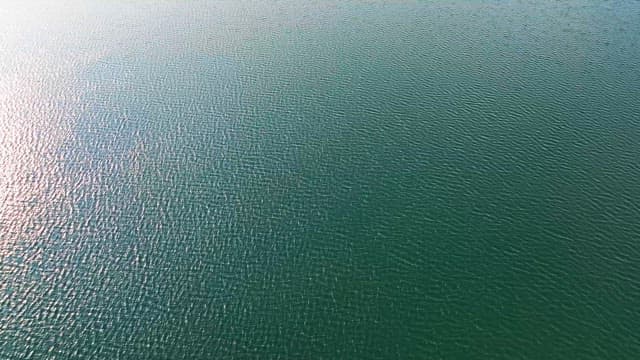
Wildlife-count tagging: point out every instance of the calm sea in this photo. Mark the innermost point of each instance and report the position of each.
(319, 179)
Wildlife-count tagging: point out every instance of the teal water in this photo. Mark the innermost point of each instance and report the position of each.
(319, 179)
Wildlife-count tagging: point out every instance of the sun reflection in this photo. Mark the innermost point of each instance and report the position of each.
(39, 104)
(33, 126)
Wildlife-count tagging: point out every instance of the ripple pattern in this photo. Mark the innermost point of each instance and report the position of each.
(319, 179)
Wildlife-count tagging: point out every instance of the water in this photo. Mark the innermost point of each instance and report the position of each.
(319, 179)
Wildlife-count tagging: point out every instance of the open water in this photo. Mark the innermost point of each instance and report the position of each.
(319, 179)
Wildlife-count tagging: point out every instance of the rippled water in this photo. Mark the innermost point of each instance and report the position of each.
(319, 179)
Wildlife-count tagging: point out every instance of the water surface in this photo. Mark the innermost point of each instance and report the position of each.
(319, 179)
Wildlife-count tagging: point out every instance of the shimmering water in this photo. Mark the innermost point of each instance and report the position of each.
(319, 179)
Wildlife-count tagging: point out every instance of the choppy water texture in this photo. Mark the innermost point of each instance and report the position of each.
(319, 179)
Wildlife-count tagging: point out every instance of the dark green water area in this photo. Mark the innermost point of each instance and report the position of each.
(319, 179)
